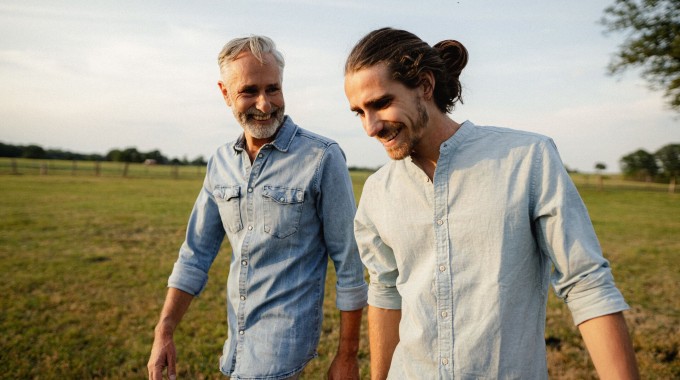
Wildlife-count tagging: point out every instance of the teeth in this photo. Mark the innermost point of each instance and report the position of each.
(391, 136)
(261, 117)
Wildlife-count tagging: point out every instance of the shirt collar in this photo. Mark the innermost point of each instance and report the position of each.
(461, 134)
(282, 140)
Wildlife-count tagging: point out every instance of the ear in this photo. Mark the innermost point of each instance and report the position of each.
(225, 93)
(427, 83)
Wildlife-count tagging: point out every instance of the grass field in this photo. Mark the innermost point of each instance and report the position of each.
(85, 259)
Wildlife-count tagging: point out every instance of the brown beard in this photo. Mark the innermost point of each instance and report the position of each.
(403, 150)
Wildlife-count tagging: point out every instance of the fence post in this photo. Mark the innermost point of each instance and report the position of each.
(43, 169)
(125, 169)
(671, 185)
(175, 171)
(74, 167)
(96, 168)
(14, 166)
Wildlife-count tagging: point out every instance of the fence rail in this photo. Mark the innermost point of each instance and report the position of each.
(26, 166)
(19, 166)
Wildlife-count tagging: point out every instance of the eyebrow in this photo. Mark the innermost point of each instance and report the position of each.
(252, 87)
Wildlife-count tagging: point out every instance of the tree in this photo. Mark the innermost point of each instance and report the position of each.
(199, 161)
(132, 155)
(599, 167)
(652, 44)
(7, 150)
(669, 156)
(115, 155)
(33, 151)
(639, 165)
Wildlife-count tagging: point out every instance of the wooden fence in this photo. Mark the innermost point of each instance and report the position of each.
(19, 166)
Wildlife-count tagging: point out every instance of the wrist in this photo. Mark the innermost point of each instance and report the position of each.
(348, 348)
(164, 328)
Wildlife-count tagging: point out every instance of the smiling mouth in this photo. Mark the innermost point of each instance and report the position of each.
(388, 135)
(261, 117)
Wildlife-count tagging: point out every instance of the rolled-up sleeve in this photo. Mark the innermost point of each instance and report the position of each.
(204, 236)
(581, 276)
(336, 208)
(376, 256)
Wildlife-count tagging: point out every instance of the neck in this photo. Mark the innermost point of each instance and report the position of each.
(426, 153)
(253, 145)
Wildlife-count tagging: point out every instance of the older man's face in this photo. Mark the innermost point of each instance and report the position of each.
(254, 93)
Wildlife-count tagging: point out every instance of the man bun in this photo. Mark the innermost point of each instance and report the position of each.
(455, 57)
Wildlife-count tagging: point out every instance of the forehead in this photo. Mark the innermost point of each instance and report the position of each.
(247, 70)
(368, 84)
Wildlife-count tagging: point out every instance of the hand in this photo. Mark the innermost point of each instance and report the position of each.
(163, 354)
(344, 367)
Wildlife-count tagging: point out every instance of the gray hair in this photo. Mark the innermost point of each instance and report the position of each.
(257, 45)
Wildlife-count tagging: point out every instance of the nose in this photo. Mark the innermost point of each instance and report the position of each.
(372, 125)
(263, 103)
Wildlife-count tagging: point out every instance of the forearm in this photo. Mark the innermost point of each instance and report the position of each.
(383, 335)
(350, 325)
(610, 347)
(163, 353)
(345, 365)
(176, 304)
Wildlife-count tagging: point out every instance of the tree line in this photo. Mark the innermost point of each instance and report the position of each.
(660, 166)
(131, 155)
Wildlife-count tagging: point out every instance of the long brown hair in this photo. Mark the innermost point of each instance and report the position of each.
(407, 56)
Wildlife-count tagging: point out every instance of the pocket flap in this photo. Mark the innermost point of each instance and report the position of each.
(227, 192)
(283, 195)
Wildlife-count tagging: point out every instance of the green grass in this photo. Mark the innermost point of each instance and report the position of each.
(85, 260)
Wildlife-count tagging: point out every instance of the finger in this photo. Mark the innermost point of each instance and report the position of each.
(154, 373)
(172, 374)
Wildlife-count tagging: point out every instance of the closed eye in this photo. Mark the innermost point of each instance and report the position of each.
(273, 89)
(381, 103)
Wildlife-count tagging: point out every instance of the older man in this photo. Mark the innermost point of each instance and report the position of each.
(283, 197)
(460, 231)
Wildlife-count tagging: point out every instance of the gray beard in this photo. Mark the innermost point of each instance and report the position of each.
(259, 131)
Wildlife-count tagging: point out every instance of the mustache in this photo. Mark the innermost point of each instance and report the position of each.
(388, 128)
(256, 112)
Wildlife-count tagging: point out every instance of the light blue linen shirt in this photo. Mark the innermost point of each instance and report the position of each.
(467, 257)
(285, 215)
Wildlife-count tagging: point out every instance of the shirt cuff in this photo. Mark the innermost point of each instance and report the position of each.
(348, 299)
(187, 279)
(596, 304)
(384, 297)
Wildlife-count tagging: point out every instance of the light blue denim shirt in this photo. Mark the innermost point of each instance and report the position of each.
(284, 216)
(467, 257)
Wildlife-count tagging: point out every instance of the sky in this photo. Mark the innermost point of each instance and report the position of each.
(94, 75)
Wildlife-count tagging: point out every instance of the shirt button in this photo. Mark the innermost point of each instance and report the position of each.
(244, 262)
(260, 155)
(250, 189)
(444, 314)
(243, 298)
(250, 228)
(445, 361)
(281, 199)
(241, 332)
(442, 268)
(440, 222)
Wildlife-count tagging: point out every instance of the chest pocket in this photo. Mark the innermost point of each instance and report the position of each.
(228, 200)
(282, 210)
